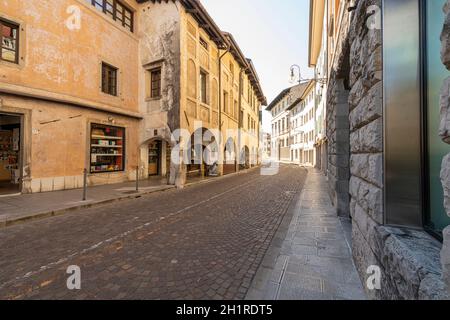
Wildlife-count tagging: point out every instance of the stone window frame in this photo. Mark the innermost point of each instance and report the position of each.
(21, 43)
(204, 86)
(108, 88)
(203, 43)
(16, 50)
(155, 82)
(102, 5)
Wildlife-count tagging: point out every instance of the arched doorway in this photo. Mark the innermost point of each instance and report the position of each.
(229, 158)
(202, 154)
(159, 158)
(245, 158)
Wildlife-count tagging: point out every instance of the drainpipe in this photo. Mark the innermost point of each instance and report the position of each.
(220, 102)
(240, 120)
(221, 93)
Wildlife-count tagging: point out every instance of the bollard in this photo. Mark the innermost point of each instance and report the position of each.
(137, 179)
(84, 184)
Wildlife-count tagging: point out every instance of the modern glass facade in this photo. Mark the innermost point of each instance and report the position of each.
(413, 149)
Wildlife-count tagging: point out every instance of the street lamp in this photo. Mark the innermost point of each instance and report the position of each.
(293, 67)
(300, 79)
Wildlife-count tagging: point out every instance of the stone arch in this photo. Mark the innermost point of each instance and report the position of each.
(163, 157)
(245, 158)
(229, 158)
(202, 154)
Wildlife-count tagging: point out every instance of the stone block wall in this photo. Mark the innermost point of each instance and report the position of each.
(408, 260)
(338, 153)
(366, 143)
(444, 131)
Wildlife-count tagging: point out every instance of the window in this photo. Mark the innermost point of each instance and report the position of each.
(155, 83)
(225, 101)
(107, 148)
(9, 37)
(203, 87)
(109, 79)
(116, 11)
(203, 43)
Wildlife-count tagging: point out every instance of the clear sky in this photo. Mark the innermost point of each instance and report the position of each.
(273, 33)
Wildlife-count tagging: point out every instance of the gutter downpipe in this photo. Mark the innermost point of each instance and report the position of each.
(240, 121)
(227, 50)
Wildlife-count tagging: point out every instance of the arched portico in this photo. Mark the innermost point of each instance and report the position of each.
(229, 158)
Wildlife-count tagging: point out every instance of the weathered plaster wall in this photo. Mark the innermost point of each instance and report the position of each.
(444, 131)
(159, 35)
(195, 57)
(59, 60)
(159, 47)
(56, 146)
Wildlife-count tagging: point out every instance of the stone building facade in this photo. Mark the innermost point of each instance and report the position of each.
(392, 223)
(208, 84)
(444, 131)
(102, 85)
(302, 127)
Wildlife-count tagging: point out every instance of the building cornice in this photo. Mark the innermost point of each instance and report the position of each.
(196, 9)
(316, 16)
(65, 99)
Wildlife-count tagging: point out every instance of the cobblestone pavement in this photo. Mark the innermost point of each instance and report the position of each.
(202, 242)
(309, 258)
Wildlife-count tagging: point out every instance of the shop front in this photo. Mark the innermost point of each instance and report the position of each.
(10, 154)
(107, 149)
(159, 155)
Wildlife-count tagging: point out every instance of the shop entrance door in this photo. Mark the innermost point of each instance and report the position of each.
(154, 158)
(10, 154)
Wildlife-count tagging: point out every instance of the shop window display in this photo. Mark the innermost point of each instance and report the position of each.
(107, 148)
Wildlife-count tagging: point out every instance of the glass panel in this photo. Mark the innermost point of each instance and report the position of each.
(402, 87)
(107, 148)
(436, 73)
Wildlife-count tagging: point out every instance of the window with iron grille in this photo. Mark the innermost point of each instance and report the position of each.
(9, 39)
(109, 79)
(155, 84)
(116, 11)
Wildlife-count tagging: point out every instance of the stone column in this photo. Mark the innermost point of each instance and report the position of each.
(444, 131)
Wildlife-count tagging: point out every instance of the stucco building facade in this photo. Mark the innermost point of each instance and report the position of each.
(208, 85)
(302, 130)
(387, 114)
(51, 88)
(280, 110)
(102, 85)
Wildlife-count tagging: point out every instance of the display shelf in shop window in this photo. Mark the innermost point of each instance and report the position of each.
(107, 149)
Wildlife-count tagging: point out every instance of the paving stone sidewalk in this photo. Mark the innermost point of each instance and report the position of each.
(309, 258)
(24, 207)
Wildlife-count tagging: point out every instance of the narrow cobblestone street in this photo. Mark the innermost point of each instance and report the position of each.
(202, 242)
